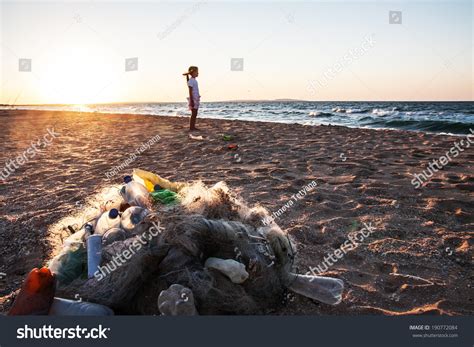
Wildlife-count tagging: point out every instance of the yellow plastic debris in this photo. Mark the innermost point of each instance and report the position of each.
(150, 180)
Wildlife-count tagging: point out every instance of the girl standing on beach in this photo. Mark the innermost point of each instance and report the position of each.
(194, 97)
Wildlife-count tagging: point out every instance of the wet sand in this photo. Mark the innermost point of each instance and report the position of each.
(417, 261)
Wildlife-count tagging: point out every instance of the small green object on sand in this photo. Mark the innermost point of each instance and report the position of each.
(165, 196)
(226, 137)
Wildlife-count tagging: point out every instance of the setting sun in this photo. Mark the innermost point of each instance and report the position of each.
(74, 75)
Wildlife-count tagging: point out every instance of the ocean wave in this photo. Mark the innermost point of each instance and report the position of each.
(426, 125)
(349, 110)
(320, 114)
(383, 112)
(356, 110)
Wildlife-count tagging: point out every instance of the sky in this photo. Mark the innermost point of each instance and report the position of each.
(343, 51)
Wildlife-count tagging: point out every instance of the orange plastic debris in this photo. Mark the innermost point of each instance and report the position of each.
(36, 294)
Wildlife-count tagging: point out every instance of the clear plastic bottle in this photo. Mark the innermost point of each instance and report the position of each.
(135, 194)
(108, 220)
(133, 219)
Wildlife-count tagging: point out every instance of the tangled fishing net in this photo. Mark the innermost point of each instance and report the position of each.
(206, 223)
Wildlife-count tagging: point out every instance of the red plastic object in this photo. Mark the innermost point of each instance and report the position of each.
(233, 146)
(36, 294)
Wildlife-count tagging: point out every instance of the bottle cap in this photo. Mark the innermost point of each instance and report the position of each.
(157, 187)
(135, 218)
(127, 179)
(89, 228)
(113, 213)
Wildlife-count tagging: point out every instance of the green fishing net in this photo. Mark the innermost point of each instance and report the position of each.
(73, 265)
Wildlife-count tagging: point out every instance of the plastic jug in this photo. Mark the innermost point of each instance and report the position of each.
(133, 219)
(65, 307)
(135, 194)
(108, 220)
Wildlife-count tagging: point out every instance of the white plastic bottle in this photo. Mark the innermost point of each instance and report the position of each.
(108, 220)
(133, 219)
(135, 194)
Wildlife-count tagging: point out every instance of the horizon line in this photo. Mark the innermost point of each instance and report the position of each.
(223, 101)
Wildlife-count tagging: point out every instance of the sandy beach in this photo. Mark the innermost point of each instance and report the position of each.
(417, 261)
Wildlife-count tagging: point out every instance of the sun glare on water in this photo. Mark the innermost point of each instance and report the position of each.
(81, 108)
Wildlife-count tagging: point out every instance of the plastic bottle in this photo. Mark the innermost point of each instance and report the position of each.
(325, 289)
(133, 218)
(135, 194)
(65, 307)
(94, 254)
(114, 234)
(108, 220)
(113, 198)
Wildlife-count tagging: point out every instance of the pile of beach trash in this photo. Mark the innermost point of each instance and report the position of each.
(190, 248)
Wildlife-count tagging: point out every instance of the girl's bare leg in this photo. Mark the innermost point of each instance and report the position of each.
(192, 122)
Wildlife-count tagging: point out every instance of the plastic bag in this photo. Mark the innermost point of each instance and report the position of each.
(165, 196)
(155, 179)
(70, 264)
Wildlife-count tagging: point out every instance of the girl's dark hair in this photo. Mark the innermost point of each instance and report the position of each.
(191, 69)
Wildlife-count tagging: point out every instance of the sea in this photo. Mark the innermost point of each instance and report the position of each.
(455, 118)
